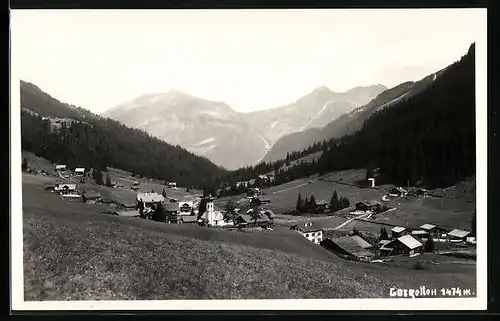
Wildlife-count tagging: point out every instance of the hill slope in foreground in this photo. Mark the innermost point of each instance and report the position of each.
(73, 252)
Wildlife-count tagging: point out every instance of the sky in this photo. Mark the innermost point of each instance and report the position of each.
(250, 59)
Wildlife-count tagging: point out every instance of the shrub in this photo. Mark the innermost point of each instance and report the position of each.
(418, 266)
(429, 244)
(159, 214)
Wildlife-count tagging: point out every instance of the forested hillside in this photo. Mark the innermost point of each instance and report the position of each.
(428, 138)
(94, 141)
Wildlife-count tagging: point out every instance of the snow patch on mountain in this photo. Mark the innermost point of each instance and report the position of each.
(274, 124)
(205, 141)
(392, 101)
(266, 143)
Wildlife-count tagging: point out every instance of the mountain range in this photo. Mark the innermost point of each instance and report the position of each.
(229, 138)
(91, 141)
(349, 122)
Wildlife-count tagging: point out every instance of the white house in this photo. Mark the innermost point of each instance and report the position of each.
(150, 199)
(309, 231)
(80, 171)
(65, 188)
(172, 185)
(60, 167)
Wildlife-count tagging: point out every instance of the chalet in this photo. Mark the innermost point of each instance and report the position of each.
(243, 220)
(136, 183)
(386, 247)
(60, 168)
(65, 188)
(366, 206)
(309, 231)
(91, 198)
(260, 201)
(398, 191)
(420, 235)
(270, 214)
(423, 192)
(362, 242)
(407, 244)
(433, 230)
(398, 231)
(321, 206)
(150, 200)
(353, 246)
(79, 171)
(171, 185)
(242, 184)
(185, 208)
(246, 220)
(458, 235)
(134, 188)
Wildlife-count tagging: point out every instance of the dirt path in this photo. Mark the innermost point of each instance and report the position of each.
(349, 221)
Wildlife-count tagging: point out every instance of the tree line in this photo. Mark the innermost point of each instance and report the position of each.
(427, 139)
(102, 143)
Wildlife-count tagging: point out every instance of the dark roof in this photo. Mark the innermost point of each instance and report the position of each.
(306, 229)
(369, 203)
(350, 245)
(189, 218)
(246, 218)
(361, 242)
(269, 213)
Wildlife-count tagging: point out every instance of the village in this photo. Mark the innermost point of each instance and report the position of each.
(252, 212)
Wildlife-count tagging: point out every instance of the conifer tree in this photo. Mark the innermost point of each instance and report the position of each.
(300, 204)
(108, 181)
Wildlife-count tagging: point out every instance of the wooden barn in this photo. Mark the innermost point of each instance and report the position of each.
(353, 246)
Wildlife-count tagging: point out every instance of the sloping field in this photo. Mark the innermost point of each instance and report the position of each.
(284, 197)
(36, 200)
(39, 163)
(447, 212)
(73, 252)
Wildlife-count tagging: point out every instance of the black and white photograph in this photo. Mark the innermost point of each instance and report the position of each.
(250, 159)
